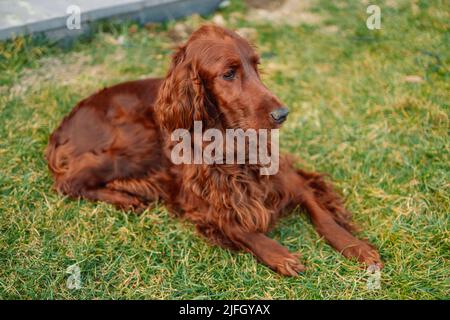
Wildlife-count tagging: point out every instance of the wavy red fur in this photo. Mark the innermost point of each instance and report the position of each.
(115, 146)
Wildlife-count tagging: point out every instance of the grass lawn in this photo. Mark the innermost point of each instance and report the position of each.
(370, 107)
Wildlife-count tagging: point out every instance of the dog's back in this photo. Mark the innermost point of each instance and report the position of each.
(109, 135)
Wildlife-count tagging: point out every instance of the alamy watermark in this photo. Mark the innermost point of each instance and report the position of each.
(73, 21)
(374, 20)
(74, 280)
(374, 277)
(236, 147)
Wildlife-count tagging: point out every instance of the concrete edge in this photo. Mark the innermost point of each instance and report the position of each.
(142, 12)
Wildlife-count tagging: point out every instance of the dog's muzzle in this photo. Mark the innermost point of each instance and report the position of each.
(279, 115)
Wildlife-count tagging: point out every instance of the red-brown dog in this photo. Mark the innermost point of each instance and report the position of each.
(115, 146)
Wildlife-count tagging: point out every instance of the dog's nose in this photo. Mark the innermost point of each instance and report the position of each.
(280, 114)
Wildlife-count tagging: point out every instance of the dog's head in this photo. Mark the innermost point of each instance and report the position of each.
(214, 78)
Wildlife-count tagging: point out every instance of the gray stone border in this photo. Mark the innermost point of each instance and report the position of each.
(142, 11)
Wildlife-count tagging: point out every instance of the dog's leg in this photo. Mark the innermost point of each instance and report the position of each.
(266, 250)
(119, 199)
(341, 239)
(87, 177)
(78, 189)
(270, 252)
(331, 219)
(149, 189)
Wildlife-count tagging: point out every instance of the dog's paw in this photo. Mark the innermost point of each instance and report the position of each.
(134, 205)
(365, 253)
(289, 265)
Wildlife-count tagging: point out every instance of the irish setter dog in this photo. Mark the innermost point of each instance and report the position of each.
(115, 147)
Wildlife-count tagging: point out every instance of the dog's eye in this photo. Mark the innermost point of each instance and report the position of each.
(229, 75)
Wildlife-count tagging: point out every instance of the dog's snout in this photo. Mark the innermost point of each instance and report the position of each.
(279, 115)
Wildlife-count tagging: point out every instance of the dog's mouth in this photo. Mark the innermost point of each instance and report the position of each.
(273, 120)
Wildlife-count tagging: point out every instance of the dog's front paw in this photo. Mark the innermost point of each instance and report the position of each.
(365, 253)
(289, 265)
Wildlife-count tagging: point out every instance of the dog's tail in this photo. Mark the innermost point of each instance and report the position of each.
(55, 155)
(328, 199)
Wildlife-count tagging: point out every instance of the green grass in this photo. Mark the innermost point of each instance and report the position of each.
(384, 141)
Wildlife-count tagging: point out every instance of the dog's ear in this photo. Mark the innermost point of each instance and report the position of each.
(181, 99)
